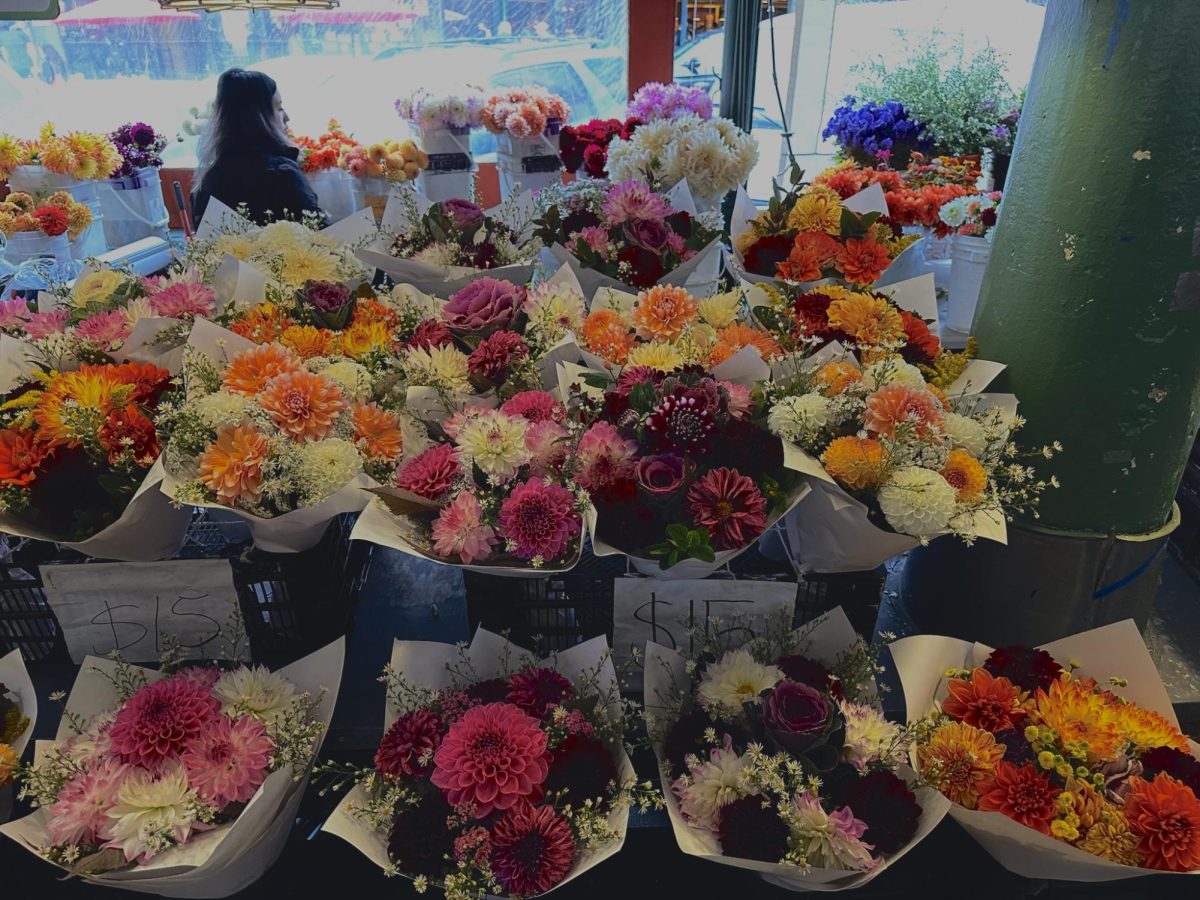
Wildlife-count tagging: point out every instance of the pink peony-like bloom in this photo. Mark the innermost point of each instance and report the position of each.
(228, 761)
(161, 720)
(496, 354)
(730, 506)
(14, 313)
(407, 747)
(183, 300)
(596, 239)
(459, 531)
(631, 200)
(532, 850)
(491, 759)
(81, 810)
(547, 446)
(605, 457)
(430, 333)
(539, 519)
(537, 691)
(44, 324)
(430, 473)
(486, 304)
(536, 406)
(739, 399)
(107, 330)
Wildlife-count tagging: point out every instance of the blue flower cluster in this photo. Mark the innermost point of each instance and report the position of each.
(870, 132)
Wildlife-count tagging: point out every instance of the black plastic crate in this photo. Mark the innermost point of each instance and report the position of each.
(858, 594)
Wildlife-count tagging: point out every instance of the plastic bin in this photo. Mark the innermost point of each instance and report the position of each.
(969, 258)
(334, 193)
(370, 191)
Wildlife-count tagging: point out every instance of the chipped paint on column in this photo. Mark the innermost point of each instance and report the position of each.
(1092, 295)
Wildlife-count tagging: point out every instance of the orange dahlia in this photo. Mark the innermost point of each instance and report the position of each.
(965, 475)
(74, 404)
(834, 377)
(21, 455)
(896, 404)
(663, 312)
(262, 323)
(303, 404)
(606, 334)
(1023, 793)
(251, 369)
(733, 338)
(862, 260)
(868, 318)
(1080, 716)
(376, 431)
(1146, 729)
(365, 338)
(1165, 815)
(367, 310)
(811, 252)
(309, 341)
(231, 467)
(855, 462)
(957, 758)
(984, 701)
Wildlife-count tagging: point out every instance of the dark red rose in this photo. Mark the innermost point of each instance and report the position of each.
(647, 233)
(583, 767)
(1179, 765)
(595, 160)
(750, 828)
(762, 257)
(889, 808)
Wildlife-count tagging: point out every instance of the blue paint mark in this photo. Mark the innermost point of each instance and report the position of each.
(1127, 238)
(1115, 35)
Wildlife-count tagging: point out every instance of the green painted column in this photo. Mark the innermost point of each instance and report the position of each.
(1092, 295)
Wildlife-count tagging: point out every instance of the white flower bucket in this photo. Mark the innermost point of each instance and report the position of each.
(969, 258)
(451, 172)
(370, 191)
(37, 180)
(134, 208)
(334, 193)
(528, 163)
(27, 245)
(93, 241)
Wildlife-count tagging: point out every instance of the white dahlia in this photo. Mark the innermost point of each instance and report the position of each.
(255, 691)
(710, 786)
(736, 679)
(353, 379)
(965, 432)
(917, 501)
(153, 812)
(495, 442)
(799, 419)
(222, 408)
(325, 467)
(894, 371)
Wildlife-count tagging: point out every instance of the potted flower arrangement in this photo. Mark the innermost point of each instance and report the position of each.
(870, 133)
(18, 715)
(584, 148)
(43, 227)
(321, 163)
(972, 219)
(559, 777)
(444, 122)
(527, 123)
(776, 757)
(132, 198)
(374, 168)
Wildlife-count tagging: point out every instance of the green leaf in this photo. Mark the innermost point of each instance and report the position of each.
(677, 533)
(641, 397)
(704, 554)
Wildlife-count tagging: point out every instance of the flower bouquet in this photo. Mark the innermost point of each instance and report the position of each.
(547, 800)
(971, 215)
(439, 247)
(321, 162)
(870, 133)
(42, 227)
(132, 198)
(584, 148)
(18, 716)
(285, 443)
(183, 784)
(628, 235)
(79, 462)
(375, 168)
(775, 756)
(655, 101)
(526, 122)
(973, 218)
(444, 123)
(1065, 761)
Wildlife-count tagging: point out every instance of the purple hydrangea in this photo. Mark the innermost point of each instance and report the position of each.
(140, 148)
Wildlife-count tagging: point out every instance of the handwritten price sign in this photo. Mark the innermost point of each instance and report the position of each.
(645, 609)
(130, 607)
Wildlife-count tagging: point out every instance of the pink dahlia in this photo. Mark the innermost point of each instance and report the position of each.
(596, 239)
(496, 354)
(459, 530)
(605, 457)
(430, 473)
(491, 759)
(81, 809)
(205, 676)
(537, 691)
(739, 399)
(532, 850)
(106, 330)
(547, 446)
(539, 520)
(183, 299)
(407, 748)
(14, 312)
(536, 406)
(229, 760)
(730, 506)
(632, 376)
(44, 324)
(161, 720)
(633, 200)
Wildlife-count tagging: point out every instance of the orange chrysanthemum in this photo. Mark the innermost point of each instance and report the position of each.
(367, 310)
(1146, 729)
(984, 701)
(75, 403)
(377, 431)
(966, 475)
(834, 377)
(1023, 793)
(606, 334)
(862, 260)
(251, 369)
(941, 396)
(663, 312)
(868, 318)
(957, 758)
(365, 338)
(811, 252)
(309, 341)
(231, 467)
(896, 404)
(856, 463)
(303, 404)
(1081, 716)
(262, 324)
(21, 455)
(1165, 815)
(733, 338)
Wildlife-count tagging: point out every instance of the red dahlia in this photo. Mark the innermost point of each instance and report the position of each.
(532, 850)
(408, 746)
(1024, 794)
(537, 691)
(730, 506)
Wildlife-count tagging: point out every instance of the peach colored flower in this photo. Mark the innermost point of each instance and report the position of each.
(231, 467)
(376, 431)
(304, 405)
(733, 338)
(855, 462)
(606, 334)
(895, 404)
(251, 369)
(663, 312)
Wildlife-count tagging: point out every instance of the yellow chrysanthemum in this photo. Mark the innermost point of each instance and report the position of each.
(364, 338)
(1112, 839)
(857, 463)
(867, 318)
(958, 757)
(819, 209)
(308, 341)
(1146, 729)
(966, 475)
(720, 310)
(660, 356)
(301, 264)
(1085, 720)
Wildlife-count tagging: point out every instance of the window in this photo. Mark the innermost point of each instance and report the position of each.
(103, 62)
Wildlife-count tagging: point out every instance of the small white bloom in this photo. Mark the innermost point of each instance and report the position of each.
(222, 408)
(965, 432)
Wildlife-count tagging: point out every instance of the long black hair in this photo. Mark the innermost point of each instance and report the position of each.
(243, 120)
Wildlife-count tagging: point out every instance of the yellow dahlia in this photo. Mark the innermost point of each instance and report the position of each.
(301, 264)
(1085, 720)
(1112, 839)
(309, 341)
(819, 209)
(239, 246)
(867, 318)
(8, 765)
(957, 758)
(857, 463)
(720, 310)
(1146, 729)
(966, 475)
(365, 338)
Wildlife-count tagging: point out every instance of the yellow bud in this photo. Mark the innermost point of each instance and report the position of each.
(1046, 759)
(1031, 733)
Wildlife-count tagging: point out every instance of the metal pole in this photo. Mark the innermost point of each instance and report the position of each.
(740, 61)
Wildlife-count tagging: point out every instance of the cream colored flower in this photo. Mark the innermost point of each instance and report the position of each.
(138, 309)
(722, 309)
(255, 691)
(301, 264)
(280, 236)
(869, 736)
(495, 442)
(736, 679)
(713, 784)
(799, 419)
(239, 246)
(352, 378)
(443, 367)
(327, 466)
(223, 408)
(966, 433)
(894, 370)
(95, 287)
(660, 356)
(917, 501)
(153, 812)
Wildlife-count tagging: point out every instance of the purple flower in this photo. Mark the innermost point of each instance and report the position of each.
(327, 296)
(463, 214)
(484, 305)
(652, 234)
(663, 474)
(655, 100)
(795, 708)
(870, 131)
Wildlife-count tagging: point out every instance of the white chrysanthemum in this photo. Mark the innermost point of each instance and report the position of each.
(965, 432)
(736, 679)
(138, 309)
(280, 236)
(153, 812)
(441, 253)
(712, 785)
(721, 309)
(495, 442)
(917, 501)
(353, 379)
(954, 212)
(239, 246)
(894, 371)
(799, 419)
(222, 408)
(327, 466)
(255, 691)
(869, 736)
(444, 367)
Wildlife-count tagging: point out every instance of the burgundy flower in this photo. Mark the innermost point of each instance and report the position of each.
(575, 222)
(663, 474)
(632, 376)
(806, 671)
(795, 708)
(484, 305)
(1179, 765)
(762, 257)
(462, 214)
(750, 828)
(326, 296)
(645, 266)
(532, 850)
(889, 808)
(430, 473)
(496, 354)
(430, 333)
(407, 747)
(683, 420)
(648, 233)
(491, 690)
(583, 767)
(1024, 666)
(730, 506)
(595, 160)
(537, 691)
(420, 840)
(988, 216)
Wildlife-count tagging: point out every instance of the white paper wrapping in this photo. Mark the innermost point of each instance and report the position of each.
(225, 860)
(1115, 650)
(828, 637)
(147, 344)
(425, 663)
(15, 677)
(700, 274)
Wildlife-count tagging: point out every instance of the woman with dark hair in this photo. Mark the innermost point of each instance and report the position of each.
(245, 155)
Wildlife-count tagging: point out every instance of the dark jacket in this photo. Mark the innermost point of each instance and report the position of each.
(265, 182)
